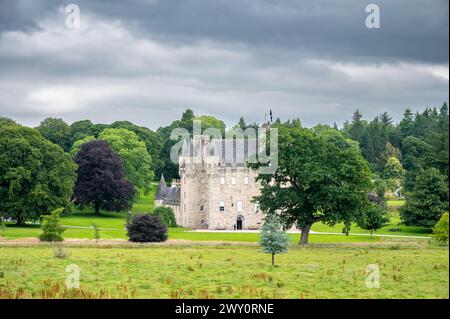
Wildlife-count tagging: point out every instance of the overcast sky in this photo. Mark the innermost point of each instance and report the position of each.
(147, 60)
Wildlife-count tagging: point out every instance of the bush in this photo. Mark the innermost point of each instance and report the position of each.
(440, 230)
(146, 228)
(51, 229)
(166, 216)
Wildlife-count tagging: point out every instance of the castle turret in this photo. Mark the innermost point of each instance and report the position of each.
(161, 192)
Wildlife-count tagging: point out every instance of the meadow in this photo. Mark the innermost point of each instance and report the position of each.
(112, 226)
(220, 265)
(154, 271)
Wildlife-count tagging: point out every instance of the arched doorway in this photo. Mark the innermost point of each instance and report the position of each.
(240, 222)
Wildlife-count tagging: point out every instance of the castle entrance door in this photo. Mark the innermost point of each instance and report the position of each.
(239, 223)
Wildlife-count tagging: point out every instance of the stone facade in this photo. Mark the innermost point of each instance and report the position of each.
(215, 190)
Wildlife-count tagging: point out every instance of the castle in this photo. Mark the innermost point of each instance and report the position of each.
(216, 187)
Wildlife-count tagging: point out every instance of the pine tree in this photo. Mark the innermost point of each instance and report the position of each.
(273, 239)
(427, 200)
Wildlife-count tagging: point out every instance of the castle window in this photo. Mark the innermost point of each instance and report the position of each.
(222, 206)
(233, 181)
(222, 181)
(256, 208)
(202, 208)
(246, 180)
(239, 206)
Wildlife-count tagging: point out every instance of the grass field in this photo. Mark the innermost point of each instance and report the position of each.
(113, 226)
(225, 272)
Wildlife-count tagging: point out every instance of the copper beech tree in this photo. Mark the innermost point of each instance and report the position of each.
(101, 179)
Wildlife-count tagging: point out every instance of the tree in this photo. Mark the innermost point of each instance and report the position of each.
(133, 152)
(56, 131)
(209, 121)
(51, 229)
(153, 141)
(318, 178)
(36, 176)
(386, 119)
(77, 145)
(241, 124)
(427, 200)
(6, 120)
(81, 129)
(146, 228)
(166, 216)
(393, 169)
(101, 179)
(273, 239)
(373, 218)
(357, 127)
(440, 230)
(380, 188)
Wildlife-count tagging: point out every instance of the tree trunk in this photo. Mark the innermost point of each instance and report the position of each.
(304, 235)
(20, 221)
(273, 259)
(97, 209)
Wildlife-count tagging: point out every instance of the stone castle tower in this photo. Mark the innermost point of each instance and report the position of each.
(216, 187)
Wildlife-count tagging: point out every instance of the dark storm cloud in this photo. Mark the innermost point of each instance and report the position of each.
(146, 60)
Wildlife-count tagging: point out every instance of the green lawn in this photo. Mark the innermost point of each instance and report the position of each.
(13, 232)
(113, 225)
(224, 272)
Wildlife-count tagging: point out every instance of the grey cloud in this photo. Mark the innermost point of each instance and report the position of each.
(145, 61)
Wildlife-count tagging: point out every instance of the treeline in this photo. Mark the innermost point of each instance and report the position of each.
(407, 159)
(413, 152)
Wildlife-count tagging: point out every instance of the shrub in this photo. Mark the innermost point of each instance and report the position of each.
(146, 228)
(440, 230)
(166, 216)
(51, 229)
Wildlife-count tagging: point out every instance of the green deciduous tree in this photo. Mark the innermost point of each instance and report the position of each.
(166, 216)
(56, 131)
(318, 178)
(153, 141)
(133, 152)
(440, 230)
(36, 176)
(373, 218)
(77, 145)
(81, 129)
(393, 168)
(427, 200)
(51, 228)
(273, 239)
